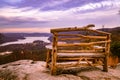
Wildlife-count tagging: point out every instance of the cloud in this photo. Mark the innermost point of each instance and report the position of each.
(83, 14)
(53, 3)
(97, 6)
(13, 1)
(25, 13)
(17, 21)
(38, 15)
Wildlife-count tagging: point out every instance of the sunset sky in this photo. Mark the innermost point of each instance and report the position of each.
(42, 15)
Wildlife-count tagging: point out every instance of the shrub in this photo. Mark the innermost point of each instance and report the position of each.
(115, 48)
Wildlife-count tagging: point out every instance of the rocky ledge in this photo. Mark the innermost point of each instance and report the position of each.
(35, 70)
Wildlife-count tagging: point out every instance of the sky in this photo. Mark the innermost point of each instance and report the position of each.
(42, 15)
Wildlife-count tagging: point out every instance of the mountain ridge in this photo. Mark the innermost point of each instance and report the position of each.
(8, 37)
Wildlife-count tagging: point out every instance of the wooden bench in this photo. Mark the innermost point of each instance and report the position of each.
(75, 47)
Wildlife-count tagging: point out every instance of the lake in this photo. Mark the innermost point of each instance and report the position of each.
(27, 40)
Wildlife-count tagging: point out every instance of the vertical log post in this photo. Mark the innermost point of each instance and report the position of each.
(107, 51)
(54, 54)
(48, 59)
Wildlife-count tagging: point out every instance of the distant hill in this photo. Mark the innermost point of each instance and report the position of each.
(110, 29)
(8, 37)
(26, 34)
(1, 38)
(115, 33)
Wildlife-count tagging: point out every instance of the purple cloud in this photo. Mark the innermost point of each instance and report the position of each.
(51, 13)
(16, 21)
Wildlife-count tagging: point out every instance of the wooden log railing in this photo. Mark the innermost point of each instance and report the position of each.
(91, 49)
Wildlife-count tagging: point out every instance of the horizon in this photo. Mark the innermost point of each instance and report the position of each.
(22, 16)
(49, 30)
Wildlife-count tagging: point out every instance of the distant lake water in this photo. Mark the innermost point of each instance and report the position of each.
(26, 40)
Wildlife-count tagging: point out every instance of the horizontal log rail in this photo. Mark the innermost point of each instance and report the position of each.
(74, 64)
(100, 42)
(76, 44)
(83, 36)
(75, 58)
(78, 29)
(64, 39)
(73, 28)
(82, 44)
(76, 51)
(72, 55)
